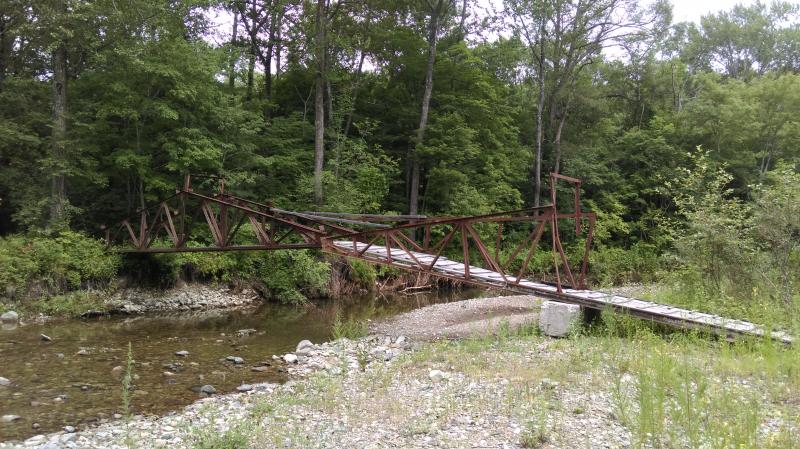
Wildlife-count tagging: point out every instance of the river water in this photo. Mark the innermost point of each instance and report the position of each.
(76, 378)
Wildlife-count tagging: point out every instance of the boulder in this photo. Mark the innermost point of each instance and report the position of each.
(9, 317)
(290, 358)
(558, 319)
(304, 347)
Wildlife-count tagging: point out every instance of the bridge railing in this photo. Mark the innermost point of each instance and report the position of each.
(503, 243)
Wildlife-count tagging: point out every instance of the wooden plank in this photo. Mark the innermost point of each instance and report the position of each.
(655, 311)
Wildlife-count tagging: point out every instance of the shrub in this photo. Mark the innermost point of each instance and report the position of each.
(34, 266)
(362, 273)
(288, 276)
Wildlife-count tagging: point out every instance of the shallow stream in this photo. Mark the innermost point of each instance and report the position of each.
(75, 379)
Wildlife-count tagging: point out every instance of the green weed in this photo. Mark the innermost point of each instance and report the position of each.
(348, 328)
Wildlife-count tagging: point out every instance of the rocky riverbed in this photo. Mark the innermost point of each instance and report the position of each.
(190, 297)
(512, 389)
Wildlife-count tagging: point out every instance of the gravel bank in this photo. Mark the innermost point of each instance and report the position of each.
(188, 298)
(479, 316)
(504, 391)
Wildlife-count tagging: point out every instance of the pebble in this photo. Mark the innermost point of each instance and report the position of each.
(245, 332)
(182, 353)
(235, 360)
(436, 375)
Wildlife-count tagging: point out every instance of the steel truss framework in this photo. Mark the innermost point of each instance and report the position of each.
(219, 219)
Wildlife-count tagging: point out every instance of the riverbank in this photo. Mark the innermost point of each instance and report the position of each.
(615, 387)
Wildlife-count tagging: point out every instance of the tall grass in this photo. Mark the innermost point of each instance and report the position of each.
(687, 390)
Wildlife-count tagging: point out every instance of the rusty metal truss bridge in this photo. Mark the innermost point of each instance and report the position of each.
(499, 250)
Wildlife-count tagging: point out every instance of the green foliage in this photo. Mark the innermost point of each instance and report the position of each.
(716, 239)
(236, 437)
(362, 273)
(618, 266)
(152, 95)
(776, 217)
(70, 304)
(34, 266)
(288, 276)
(127, 384)
(348, 327)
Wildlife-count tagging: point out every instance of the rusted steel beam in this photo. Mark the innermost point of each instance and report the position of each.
(211, 249)
(224, 214)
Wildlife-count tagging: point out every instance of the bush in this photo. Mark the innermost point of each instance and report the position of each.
(35, 266)
(288, 276)
(362, 273)
(615, 266)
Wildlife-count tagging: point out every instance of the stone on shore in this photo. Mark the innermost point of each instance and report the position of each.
(235, 360)
(304, 347)
(558, 319)
(290, 358)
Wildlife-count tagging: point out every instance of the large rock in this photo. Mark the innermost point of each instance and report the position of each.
(304, 348)
(558, 319)
(9, 317)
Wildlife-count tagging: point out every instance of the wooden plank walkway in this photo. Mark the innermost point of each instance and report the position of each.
(589, 298)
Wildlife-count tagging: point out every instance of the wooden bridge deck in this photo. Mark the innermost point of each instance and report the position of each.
(588, 298)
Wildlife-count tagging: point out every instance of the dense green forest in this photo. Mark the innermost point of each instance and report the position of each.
(686, 134)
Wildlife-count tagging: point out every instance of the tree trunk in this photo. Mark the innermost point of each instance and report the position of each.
(413, 200)
(319, 104)
(354, 98)
(234, 50)
(268, 63)
(278, 47)
(557, 143)
(251, 66)
(58, 194)
(329, 94)
(537, 175)
(3, 57)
